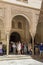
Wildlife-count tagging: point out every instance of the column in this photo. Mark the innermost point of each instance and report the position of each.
(33, 45)
(7, 44)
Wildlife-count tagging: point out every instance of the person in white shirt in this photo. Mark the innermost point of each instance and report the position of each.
(14, 48)
(19, 47)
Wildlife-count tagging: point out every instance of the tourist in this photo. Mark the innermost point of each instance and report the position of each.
(11, 48)
(29, 49)
(14, 48)
(41, 49)
(19, 47)
(1, 47)
(22, 48)
(25, 48)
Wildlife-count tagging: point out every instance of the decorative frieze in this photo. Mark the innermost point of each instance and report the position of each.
(2, 12)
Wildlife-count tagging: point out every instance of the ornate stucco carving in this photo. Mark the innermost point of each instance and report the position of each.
(2, 12)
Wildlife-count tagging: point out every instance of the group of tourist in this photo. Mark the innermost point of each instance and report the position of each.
(25, 48)
(20, 48)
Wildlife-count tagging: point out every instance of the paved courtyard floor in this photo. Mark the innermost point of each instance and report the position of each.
(21, 62)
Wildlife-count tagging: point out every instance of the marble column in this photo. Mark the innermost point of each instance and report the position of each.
(7, 44)
(32, 45)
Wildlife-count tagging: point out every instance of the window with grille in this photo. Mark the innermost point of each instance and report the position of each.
(19, 25)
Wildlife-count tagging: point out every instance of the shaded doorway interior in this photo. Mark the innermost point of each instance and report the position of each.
(14, 37)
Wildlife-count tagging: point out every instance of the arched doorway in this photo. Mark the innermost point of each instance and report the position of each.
(20, 29)
(20, 24)
(15, 37)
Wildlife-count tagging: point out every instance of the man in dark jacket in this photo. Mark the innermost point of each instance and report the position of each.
(41, 49)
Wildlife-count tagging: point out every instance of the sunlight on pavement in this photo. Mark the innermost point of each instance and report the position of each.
(21, 62)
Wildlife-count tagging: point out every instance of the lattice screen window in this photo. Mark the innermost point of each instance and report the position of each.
(19, 25)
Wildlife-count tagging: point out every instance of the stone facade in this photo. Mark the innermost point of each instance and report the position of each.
(27, 16)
